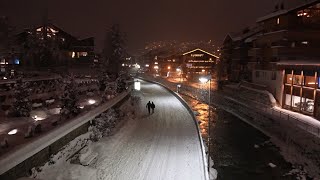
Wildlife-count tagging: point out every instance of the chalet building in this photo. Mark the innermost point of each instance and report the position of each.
(198, 62)
(48, 46)
(170, 65)
(285, 58)
(235, 54)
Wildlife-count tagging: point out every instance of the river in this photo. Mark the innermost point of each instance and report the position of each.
(239, 151)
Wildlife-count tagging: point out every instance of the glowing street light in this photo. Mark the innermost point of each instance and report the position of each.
(91, 101)
(204, 80)
(12, 132)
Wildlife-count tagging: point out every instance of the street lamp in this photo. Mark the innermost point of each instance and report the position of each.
(180, 72)
(204, 80)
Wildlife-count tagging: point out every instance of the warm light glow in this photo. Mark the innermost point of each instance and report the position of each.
(147, 65)
(178, 69)
(37, 118)
(156, 67)
(12, 132)
(311, 83)
(203, 80)
(122, 64)
(91, 101)
(201, 51)
(278, 21)
(169, 67)
(138, 66)
(81, 107)
(155, 62)
(203, 70)
(73, 54)
(5, 78)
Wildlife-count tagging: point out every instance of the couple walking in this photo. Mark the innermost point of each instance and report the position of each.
(150, 106)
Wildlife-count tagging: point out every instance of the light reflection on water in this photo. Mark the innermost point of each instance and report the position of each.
(201, 111)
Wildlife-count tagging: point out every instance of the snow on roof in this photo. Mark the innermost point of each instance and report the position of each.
(240, 35)
(281, 12)
(198, 49)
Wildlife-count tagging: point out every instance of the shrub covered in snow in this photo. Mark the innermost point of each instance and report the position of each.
(103, 124)
(22, 104)
(69, 99)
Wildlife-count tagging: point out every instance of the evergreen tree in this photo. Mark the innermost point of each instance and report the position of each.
(114, 51)
(120, 82)
(22, 103)
(69, 98)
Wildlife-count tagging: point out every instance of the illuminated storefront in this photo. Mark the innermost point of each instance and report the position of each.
(199, 62)
(301, 89)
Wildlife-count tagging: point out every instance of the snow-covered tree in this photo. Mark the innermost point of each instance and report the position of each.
(120, 82)
(103, 124)
(69, 98)
(114, 50)
(22, 103)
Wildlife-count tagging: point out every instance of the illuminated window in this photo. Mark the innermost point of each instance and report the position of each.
(83, 53)
(278, 21)
(304, 42)
(73, 54)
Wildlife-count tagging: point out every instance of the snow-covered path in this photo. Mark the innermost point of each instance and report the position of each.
(163, 145)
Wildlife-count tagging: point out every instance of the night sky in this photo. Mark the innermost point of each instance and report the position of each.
(142, 20)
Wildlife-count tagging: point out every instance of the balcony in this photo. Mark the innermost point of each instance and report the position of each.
(280, 51)
(254, 52)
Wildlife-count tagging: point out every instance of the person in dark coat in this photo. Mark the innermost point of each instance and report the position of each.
(148, 106)
(152, 107)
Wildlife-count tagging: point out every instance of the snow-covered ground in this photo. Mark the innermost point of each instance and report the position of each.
(304, 118)
(163, 145)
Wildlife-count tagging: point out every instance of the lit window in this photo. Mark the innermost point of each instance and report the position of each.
(83, 53)
(73, 54)
(278, 21)
(304, 42)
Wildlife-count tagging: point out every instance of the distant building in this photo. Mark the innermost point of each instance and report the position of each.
(198, 62)
(190, 65)
(48, 47)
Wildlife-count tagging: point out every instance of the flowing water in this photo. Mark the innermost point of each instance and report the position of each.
(239, 151)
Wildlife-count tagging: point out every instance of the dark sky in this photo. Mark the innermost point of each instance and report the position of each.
(142, 20)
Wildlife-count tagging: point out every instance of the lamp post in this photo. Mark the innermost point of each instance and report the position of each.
(204, 80)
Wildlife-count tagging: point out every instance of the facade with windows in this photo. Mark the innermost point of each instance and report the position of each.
(198, 62)
(284, 56)
(301, 87)
(58, 47)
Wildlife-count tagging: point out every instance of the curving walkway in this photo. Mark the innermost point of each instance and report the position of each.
(163, 145)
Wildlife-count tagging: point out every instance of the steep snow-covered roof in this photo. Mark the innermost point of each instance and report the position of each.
(251, 31)
(198, 49)
(284, 11)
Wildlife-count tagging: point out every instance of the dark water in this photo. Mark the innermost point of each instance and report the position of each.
(239, 151)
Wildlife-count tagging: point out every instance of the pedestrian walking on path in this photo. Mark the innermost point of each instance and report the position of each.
(148, 106)
(152, 107)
